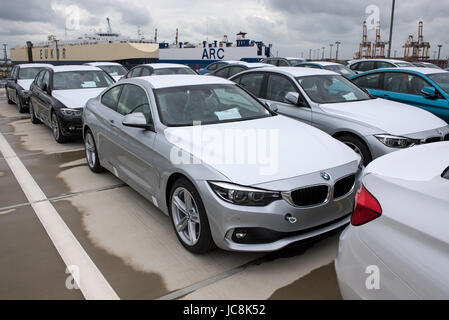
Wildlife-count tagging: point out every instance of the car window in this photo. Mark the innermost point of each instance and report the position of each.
(14, 72)
(371, 81)
(442, 80)
(404, 83)
(133, 99)
(183, 106)
(283, 63)
(135, 72)
(355, 66)
(235, 70)
(145, 72)
(251, 82)
(110, 98)
(212, 67)
(167, 71)
(223, 72)
(272, 61)
(383, 64)
(114, 70)
(340, 69)
(39, 78)
(45, 80)
(366, 66)
(278, 87)
(331, 89)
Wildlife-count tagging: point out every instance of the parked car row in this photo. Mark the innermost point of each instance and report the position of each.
(143, 129)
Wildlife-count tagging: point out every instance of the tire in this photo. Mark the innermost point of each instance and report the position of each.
(56, 129)
(93, 161)
(7, 97)
(358, 146)
(22, 109)
(194, 222)
(33, 118)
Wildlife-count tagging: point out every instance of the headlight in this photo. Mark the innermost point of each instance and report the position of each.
(71, 112)
(244, 196)
(395, 142)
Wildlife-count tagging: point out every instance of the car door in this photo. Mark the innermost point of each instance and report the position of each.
(276, 89)
(44, 99)
(11, 84)
(36, 90)
(406, 88)
(107, 133)
(134, 153)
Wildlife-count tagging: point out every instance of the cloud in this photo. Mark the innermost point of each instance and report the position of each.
(292, 26)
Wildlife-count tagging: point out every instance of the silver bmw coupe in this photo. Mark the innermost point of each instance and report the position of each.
(227, 170)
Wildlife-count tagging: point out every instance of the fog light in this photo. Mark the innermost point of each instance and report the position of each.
(240, 234)
(71, 128)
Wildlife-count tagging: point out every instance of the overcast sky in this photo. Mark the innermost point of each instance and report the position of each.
(292, 26)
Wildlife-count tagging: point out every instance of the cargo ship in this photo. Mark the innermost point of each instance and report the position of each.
(110, 46)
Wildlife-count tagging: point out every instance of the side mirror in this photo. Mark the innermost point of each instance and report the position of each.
(137, 120)
(292, 97)
(429, 92)
(272, 106)
(46, 88)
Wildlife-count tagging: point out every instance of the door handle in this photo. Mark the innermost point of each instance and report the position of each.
(111, 121)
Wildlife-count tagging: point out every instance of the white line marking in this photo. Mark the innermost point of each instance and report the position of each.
(92, 284)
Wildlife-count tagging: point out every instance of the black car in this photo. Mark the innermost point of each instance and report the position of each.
(158, 69)
(58, 96)
(234, 68)
(18, 84)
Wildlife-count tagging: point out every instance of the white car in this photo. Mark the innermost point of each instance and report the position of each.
(159, 69)
(114, 69)
(363, 65)
(398, 244)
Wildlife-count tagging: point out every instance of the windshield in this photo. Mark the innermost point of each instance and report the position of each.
(114, 70)
(165, 71)
(441, 79)
(28, 73)
(331, 89)
(181, 106)
(345, 71)
(80, 80)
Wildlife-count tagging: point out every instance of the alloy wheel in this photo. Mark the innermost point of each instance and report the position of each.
(186, 216)
(55, 126)
(90, 151)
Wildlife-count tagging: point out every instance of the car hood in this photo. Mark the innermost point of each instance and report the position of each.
(76, 98)
(389, 116)
(263, 150)
(25, 83)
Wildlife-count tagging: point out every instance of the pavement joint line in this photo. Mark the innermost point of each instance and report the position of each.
(64, 196)
(29, 155)
(91, 281)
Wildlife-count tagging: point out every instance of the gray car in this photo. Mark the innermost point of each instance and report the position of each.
(372, 127)
(220, 163)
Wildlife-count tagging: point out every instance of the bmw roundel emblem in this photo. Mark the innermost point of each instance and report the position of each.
(325, 176)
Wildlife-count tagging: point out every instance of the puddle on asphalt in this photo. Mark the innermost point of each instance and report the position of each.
(320, 284)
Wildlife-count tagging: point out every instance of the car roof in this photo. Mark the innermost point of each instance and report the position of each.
(421, 70)
(324, 63)
(74, 68)
(102, 63)
(384, 60)
(293, 58)
(35, 65)
(164, 65)
(301, 72)
(168, 81)
(249, 64)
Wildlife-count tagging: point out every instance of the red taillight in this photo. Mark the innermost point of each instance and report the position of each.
(367, 208)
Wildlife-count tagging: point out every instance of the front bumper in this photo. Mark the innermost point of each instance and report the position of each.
(268, 226)
(71, 125)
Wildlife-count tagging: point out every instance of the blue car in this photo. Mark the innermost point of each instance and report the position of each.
(426, 88)
(331, 66)
(215, 66)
